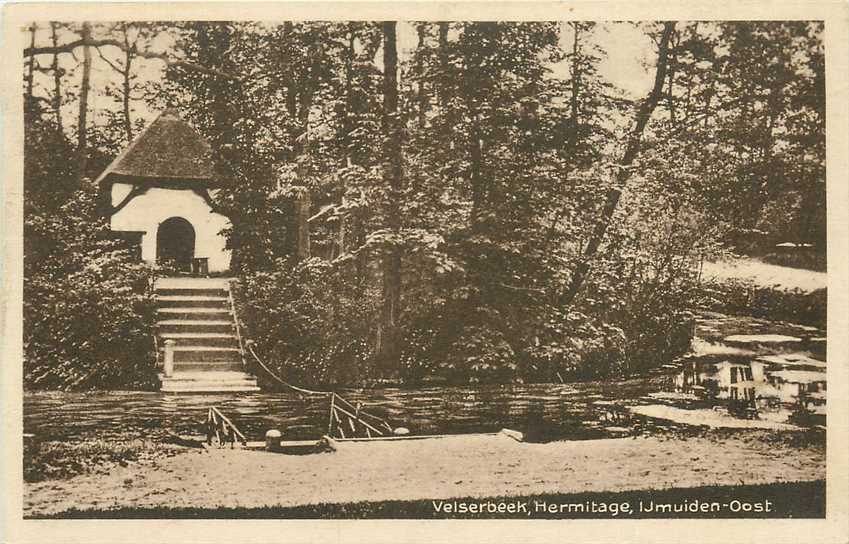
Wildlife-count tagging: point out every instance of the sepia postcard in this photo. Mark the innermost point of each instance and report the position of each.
(425, 272)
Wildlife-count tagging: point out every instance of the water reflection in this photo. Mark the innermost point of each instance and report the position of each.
(541, 408)
(760, 378)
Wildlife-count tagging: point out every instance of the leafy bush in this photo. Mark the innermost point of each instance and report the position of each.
(571, 346)
(479, 354)
(88, 307)
(455, 342)
(311, 324)
(744, 297)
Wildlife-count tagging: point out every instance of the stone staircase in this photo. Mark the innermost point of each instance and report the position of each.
(196, 314)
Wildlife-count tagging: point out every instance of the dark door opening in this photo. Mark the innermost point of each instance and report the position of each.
(175, 243)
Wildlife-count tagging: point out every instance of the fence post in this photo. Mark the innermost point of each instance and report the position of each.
(168, 369)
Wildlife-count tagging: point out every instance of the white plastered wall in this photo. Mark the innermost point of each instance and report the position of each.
(147, 211)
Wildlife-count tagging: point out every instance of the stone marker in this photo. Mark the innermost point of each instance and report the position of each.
(272, 440)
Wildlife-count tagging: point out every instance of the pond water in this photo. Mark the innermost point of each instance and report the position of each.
(575, 410)
(766, 367)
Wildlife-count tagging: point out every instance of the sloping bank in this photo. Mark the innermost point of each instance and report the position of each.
(751, 287)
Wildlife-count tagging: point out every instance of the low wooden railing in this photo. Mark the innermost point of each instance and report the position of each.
(220, 430)
(152, 292)
(236, 322)
(343, 414)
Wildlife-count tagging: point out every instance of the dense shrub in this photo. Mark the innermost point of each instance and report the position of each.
(480, 354)
(571, 346)
(311, 324)
(457, 342)
(88, 307)
(744, 297)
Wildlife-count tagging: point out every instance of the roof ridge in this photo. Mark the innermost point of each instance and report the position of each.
(117, 160)
(152, 155)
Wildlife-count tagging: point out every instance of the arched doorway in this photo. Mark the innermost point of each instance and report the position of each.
(175, 243)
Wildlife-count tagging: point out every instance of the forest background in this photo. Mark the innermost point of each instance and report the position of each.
(486, 202)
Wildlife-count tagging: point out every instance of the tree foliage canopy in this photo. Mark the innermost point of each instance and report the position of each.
(494, 209)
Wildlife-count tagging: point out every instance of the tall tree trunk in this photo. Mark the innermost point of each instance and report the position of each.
(57, 81)
(291, 103)
(128, 68)
(390, 341)
(82, 133)
(421, 95)
(347, 128)
(298, 104)
(356, 223)
(475, 159)
(303, 205)
(632, 149)
(29, 105)
(762, 184)
(302, 210)
(442, 88)
(576, 86)
(291, 88)
(347, 125)
(471, 93)
(670, 76)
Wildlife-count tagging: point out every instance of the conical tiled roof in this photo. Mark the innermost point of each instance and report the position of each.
(169, 149)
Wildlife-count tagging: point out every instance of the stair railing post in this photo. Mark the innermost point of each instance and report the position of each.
(168, 369)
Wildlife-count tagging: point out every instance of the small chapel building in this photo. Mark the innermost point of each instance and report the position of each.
(160, 190)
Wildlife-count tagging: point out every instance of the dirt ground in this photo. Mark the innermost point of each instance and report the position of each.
(709, 417)
(480, 466)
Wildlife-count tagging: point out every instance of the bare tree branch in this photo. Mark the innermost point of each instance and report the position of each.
(109, 62)
(70, 47)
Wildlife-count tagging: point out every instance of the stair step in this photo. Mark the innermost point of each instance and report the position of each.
(178, 385)
(192, 302)
(196, 335)
(201, 382)
(178, 379)
(202, 339)
(210, 389)
(190, 297)
(211, 375)
(191, 354)
(194, 326)
(195, 314)
(208, 366)
(192, 282)
(193, 322)
(193, 292)
(193, 384)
